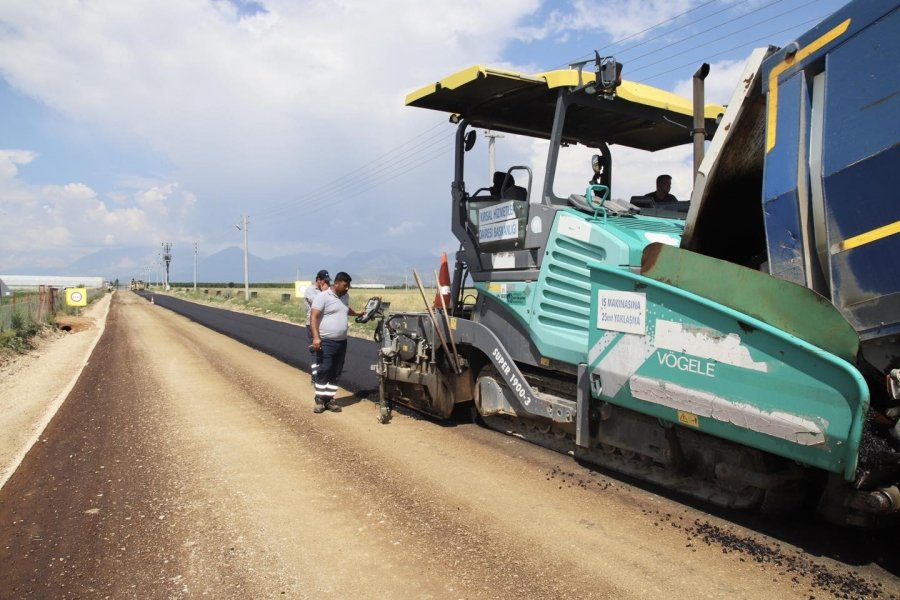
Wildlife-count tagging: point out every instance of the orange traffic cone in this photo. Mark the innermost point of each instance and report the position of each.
(151, 300)
(443, 284)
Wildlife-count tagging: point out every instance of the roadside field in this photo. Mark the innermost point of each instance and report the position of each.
(282, 303)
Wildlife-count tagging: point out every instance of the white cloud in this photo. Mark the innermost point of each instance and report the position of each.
(10, 158)
(248, 110)
(242, 96)
(51, 226)
(719, 84)
(402, 228)
(619, 19)
(250, 113)
(634, 171)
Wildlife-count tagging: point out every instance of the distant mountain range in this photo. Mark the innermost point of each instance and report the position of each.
(389, 266)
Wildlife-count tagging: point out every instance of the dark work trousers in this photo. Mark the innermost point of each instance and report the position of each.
(330, 361)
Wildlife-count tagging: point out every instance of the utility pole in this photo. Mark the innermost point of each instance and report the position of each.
(244, 226)
(492, 161)
(195, 267)
(167, 256)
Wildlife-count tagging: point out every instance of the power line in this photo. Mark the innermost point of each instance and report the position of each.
(335, 187)
(382, 176)
(718, 39)
(657, 50)
(747, 14)
(732, 49)
(694, 23)
(661, 23)
(428, 159)
(368, 169)
(405, 145)
(361, 171)
(416, 151)
(364, 179)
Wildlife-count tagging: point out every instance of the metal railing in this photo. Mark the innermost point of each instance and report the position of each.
(24, 305)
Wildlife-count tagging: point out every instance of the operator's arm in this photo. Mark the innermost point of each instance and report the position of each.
(350, 311)
(315, 315)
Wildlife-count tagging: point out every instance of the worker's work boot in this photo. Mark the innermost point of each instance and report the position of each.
(330, 405)
(319, 407)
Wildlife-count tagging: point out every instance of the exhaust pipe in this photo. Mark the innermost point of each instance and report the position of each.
(699, 130)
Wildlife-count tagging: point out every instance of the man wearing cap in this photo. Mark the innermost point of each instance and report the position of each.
(329, 326)
(323, 281)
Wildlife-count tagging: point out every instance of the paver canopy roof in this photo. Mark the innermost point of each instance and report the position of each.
(640, 116)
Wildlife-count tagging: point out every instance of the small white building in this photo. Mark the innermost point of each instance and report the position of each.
(32, 282)
(4, 290)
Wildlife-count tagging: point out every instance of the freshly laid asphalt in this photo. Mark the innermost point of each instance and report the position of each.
(285, 341)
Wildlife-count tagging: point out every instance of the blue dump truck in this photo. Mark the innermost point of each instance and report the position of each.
(744, 349)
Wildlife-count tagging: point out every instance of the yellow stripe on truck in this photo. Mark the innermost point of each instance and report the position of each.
(789, 60)
(866, 238)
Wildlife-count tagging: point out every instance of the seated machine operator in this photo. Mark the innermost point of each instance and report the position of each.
(660, 195)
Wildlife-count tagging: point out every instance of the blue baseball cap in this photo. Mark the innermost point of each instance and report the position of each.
(323, 274)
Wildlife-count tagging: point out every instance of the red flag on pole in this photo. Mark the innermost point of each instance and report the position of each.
(443, 284)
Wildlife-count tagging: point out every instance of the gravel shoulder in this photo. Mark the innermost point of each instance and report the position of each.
(36, 384)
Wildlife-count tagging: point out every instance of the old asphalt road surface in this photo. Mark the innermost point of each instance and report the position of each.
(184, 464)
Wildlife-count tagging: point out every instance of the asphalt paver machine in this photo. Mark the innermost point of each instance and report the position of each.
(744, 352)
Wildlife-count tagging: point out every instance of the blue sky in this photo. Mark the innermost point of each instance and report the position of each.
(128, 124)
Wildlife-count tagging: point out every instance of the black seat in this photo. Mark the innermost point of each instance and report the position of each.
(505, 187)
(515, 192)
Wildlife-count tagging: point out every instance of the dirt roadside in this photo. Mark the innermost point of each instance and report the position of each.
(35, 384)
(185, 464)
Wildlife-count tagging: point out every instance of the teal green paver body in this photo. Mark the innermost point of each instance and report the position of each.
(678, 355)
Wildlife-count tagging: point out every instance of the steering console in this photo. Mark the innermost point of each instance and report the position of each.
(372, 310)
